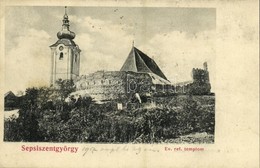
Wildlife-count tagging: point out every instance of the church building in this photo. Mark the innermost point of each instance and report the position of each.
(139, 75)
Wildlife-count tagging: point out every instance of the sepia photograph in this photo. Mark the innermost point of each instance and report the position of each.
(109, 74)
(120, 83)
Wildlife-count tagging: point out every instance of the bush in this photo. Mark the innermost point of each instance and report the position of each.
(85, 121)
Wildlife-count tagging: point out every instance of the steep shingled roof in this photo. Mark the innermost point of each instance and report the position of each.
(137, 61)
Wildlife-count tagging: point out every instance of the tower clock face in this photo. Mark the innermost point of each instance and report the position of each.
(61, 48)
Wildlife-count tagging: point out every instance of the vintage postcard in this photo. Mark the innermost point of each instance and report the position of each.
(129, 84)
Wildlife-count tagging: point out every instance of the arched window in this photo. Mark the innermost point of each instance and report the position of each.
(76, 57)
(61, 56)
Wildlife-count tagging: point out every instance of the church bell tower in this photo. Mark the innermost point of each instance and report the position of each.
(65, 54)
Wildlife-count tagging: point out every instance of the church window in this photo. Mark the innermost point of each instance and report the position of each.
(61, 56)
(76, 57)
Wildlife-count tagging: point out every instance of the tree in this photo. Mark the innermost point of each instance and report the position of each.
(64, 88)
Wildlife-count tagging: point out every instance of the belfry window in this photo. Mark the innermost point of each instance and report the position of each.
(61, 56)
(76, 57)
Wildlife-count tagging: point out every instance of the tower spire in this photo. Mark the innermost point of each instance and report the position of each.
(133, 43)
(65, 10)
(65, 17)
(65, 32)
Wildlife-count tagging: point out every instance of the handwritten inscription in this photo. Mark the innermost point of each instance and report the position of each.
(136, 150)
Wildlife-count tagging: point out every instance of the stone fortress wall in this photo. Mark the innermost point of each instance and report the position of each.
(122, 85)
(103, 85)
(110, 85)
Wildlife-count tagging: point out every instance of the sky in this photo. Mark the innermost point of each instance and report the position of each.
(178, 39)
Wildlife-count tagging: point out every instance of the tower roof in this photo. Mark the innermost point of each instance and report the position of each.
(137, 61)
(65, 32)
(66, 42)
